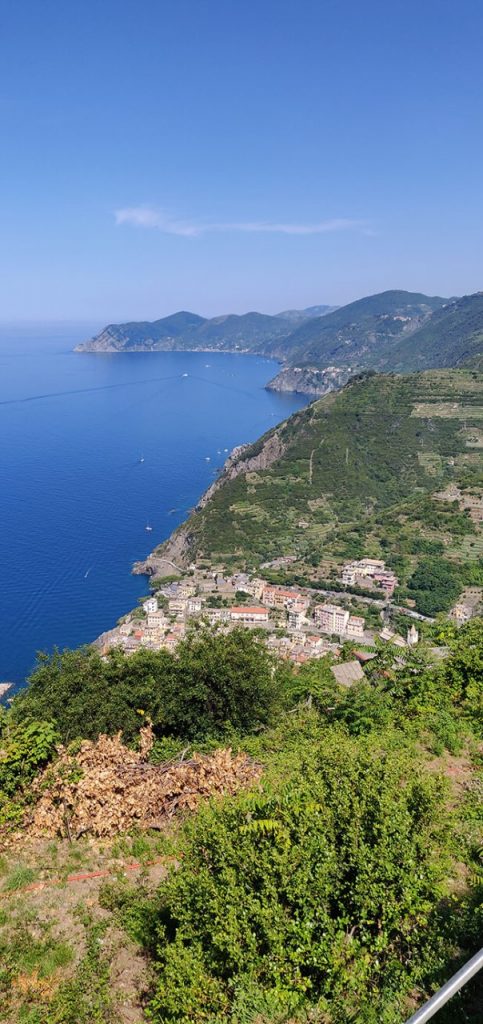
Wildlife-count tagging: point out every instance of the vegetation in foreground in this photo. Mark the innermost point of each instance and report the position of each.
(342, 887)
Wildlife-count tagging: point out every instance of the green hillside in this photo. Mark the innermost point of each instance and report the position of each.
(355, 335)
(356, 476)
(187, 331)
(394, 331)
(452, 337)
(360, 333)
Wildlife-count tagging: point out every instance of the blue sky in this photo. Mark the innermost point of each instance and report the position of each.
(225, 155)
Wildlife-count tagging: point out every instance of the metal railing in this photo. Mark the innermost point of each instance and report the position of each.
(448, 990)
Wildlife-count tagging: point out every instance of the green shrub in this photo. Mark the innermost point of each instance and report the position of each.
(306, 892)
(214, 684)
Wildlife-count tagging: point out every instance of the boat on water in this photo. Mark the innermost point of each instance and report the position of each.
(148, 528)
(142, 458)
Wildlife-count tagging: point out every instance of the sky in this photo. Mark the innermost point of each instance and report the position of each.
(228, 155)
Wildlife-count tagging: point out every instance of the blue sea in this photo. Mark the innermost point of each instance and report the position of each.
(75, 495)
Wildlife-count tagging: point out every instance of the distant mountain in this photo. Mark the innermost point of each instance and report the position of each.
(296, 315)
(394, 331)
(359, 334)
(250, 332)
(319, 336)
(170, 332)
(453, 336)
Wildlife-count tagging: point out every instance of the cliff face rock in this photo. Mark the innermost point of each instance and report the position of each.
(177, 552)
(241, 461)
(170, 557)
(309, 380)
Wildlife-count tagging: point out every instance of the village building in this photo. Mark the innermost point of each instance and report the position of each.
(217, 614)
(155, 620)
(177, 606)
(244, 613)
(468, 605)
(315, 644)
(369, 571)
(170, 642)
(254, 587)
(185, 589)
(331, 618)
(131, 644)
(125, 629)
(298, 603)
(194, 606)
(279, 597)
(355, 626)
(150, 605)
(461, 613)
(296, 619)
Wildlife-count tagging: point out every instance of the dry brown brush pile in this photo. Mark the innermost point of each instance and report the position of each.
(106, 788)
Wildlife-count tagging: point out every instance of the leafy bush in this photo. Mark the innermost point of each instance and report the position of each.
(213, 685)
(306, 894)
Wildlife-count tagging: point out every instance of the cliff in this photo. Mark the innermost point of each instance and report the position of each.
(176, 553)
(309, 380)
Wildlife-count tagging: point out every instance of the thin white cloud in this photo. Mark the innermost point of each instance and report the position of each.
(149, 217)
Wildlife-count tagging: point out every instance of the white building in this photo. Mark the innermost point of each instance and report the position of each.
(155, 620)
(331, 618)
(355, 626)
(354, 573)
(244, 613)
(151, 605)
(296, 619)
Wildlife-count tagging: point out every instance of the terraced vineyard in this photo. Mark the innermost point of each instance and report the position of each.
(357, 476)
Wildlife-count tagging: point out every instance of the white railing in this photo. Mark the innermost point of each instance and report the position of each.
(448, 990)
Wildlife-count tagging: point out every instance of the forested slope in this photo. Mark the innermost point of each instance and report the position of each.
(354, 474)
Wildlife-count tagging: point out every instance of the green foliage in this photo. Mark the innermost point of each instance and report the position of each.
(215, 685)
(25, 748)
(359, 468)
(434, 585)
(306, 892)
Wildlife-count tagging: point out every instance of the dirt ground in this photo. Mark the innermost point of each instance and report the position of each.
(50, 915)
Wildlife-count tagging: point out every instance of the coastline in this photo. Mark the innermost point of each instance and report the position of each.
(288, 379)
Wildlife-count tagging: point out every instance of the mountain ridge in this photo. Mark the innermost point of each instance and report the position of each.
(391, 331)
(288, 336)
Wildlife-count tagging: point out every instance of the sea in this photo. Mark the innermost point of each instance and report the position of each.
(95, 448)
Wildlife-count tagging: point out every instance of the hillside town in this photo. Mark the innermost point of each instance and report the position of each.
(297, 623)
